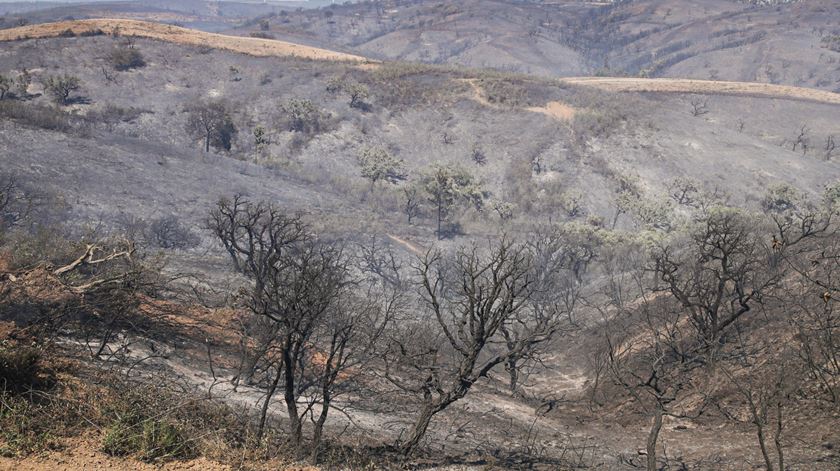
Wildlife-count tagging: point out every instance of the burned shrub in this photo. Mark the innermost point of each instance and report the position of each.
(168, 232)
(211, 122)
(126, 58)
(18, 367)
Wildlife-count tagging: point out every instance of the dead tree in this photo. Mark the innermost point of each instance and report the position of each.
(684, 191)
(718, 273)
(646, 351)
(255, 236)
(94, 295)
(765, 382)
(699, 106)
(560, 259)
(830, 145)
(10, 196)
(411, 203)
(311, 328)
(645, 354)
(470, 296)
(811, 299)
(801, 140)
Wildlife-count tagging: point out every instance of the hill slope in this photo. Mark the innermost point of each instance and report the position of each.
(711, 39)
(176, 34)
(120, 152)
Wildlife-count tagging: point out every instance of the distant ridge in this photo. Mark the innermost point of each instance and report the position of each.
(176, 34)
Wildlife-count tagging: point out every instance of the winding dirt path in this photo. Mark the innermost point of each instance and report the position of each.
(408, 245)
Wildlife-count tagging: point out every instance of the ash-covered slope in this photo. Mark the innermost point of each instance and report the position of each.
(789, 43)
(530, 142)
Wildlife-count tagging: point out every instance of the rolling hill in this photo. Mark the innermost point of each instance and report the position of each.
(122, 154)
(785, 44)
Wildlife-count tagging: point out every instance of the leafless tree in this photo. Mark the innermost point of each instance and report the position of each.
(411, 202)
(478, 156)
(684, 191)
(647, 353)
(10, 195)
(469, 296)
(377, 258)
(168, 232)
(765, 381)
(719, 272)
(255, 235)
(649, 357)
(830, 145)
(317, 322)
(109, 76)
(699, 106)
(801, 140)
(811, 300)
(560, 259)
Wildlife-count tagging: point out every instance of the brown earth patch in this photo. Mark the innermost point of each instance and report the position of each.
(556, 110)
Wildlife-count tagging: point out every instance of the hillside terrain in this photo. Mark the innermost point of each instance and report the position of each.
(128, 141)
(253, 46)
(201, 14)
(786, 43)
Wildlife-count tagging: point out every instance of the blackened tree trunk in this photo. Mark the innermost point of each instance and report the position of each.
(653, 437)
(269, 394)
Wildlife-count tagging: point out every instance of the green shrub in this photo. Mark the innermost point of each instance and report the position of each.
(151, 439)
(23, 428)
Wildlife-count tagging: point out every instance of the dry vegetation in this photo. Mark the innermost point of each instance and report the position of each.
(283, 260)
(144, 29)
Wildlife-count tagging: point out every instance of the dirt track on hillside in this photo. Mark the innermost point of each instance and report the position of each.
(145, 29)
(708, 87)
